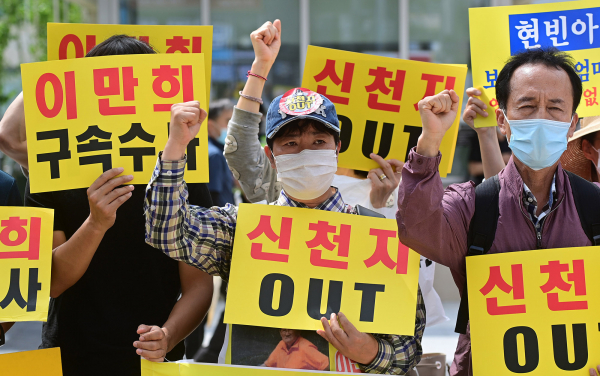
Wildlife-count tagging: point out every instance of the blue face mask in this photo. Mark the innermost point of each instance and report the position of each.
(222, 136)
(538, 143)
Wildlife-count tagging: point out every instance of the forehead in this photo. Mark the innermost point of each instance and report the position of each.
(540, 81)
(307, 129)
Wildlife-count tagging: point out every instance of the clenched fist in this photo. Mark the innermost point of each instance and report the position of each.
(186, 119)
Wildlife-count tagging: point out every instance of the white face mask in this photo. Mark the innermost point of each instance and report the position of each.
(308, 174)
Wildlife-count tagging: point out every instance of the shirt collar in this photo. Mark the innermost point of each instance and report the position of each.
(531, 198)
(335, 203)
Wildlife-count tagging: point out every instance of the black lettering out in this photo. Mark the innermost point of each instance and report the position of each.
(286, 298)
(367, 305)
(345, 132)
(315, 295)
(384, 143)
(561, 352)
(511, 351)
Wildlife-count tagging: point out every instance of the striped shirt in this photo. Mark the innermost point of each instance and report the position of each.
(203, 237)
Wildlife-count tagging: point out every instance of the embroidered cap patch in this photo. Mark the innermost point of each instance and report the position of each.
(300, 101)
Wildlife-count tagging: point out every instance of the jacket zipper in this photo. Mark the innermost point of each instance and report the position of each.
(545, 220)
(538, 233)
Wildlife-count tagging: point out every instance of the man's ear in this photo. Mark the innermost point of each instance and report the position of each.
(269, 155)
(573, 125)
(339, 147)
(502, 123)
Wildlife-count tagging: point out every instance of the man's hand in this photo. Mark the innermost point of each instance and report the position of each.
(593, 371)
(475, 106)
(382, 189)
(153, 343)
(437, 115)
(266, 41)
(105, 198)
(359, 347)
(186, 119)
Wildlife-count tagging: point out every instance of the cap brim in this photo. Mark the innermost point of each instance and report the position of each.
(298, 117)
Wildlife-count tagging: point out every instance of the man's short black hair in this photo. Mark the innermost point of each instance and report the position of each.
(217, 107)
(301, 126)
(550, 57)
(120, 45)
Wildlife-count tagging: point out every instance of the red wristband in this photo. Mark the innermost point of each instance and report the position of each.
(255, 75)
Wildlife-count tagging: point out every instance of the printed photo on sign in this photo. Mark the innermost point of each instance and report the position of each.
(278, 348)
(535, 314)
(500, 32)
(376, 113)
(86, 116)
(72, 40)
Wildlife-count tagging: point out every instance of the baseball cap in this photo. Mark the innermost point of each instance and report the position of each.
(300, 103)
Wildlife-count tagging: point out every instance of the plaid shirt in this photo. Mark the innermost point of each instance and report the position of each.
(204, 238)
(531, 204)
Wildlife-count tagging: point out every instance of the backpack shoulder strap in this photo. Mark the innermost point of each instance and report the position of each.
(482, 231)
(587, 202)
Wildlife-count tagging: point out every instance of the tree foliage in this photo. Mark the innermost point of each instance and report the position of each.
(14, 14)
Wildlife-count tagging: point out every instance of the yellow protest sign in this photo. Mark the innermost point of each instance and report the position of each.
(376, 101)
(85, 116)
(200, 369)
(500, 32)
(25, 263)
(291, 266)
(71, 40)
(45, 362)
(535, 312)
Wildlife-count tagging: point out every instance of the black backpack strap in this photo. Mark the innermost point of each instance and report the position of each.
(482, 232)
(587, 201)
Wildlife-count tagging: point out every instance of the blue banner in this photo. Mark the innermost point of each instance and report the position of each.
(567, 30)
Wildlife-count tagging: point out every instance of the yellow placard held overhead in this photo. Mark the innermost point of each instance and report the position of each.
(497, 33)
(85, 116)
(292, 266)
(25, 263)
(68, 40)
(535, 312)
(376, 101)
(45, 362)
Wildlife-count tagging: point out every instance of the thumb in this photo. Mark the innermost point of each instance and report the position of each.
(455, 99)
(277, 24)
(397, 164)
(143, 329)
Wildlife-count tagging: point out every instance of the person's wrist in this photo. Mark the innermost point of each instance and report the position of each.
(261, 67)
(428, 145)
(486, 132)
(174, 151)
(96, 226)
(369, 351)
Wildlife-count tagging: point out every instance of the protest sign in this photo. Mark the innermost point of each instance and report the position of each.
(45, 362)
(292, 266)
(85, 116)
(535, 312)
(25, 263)
(71, 40)
(376, 101)
(500, 32)
(198, 369)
